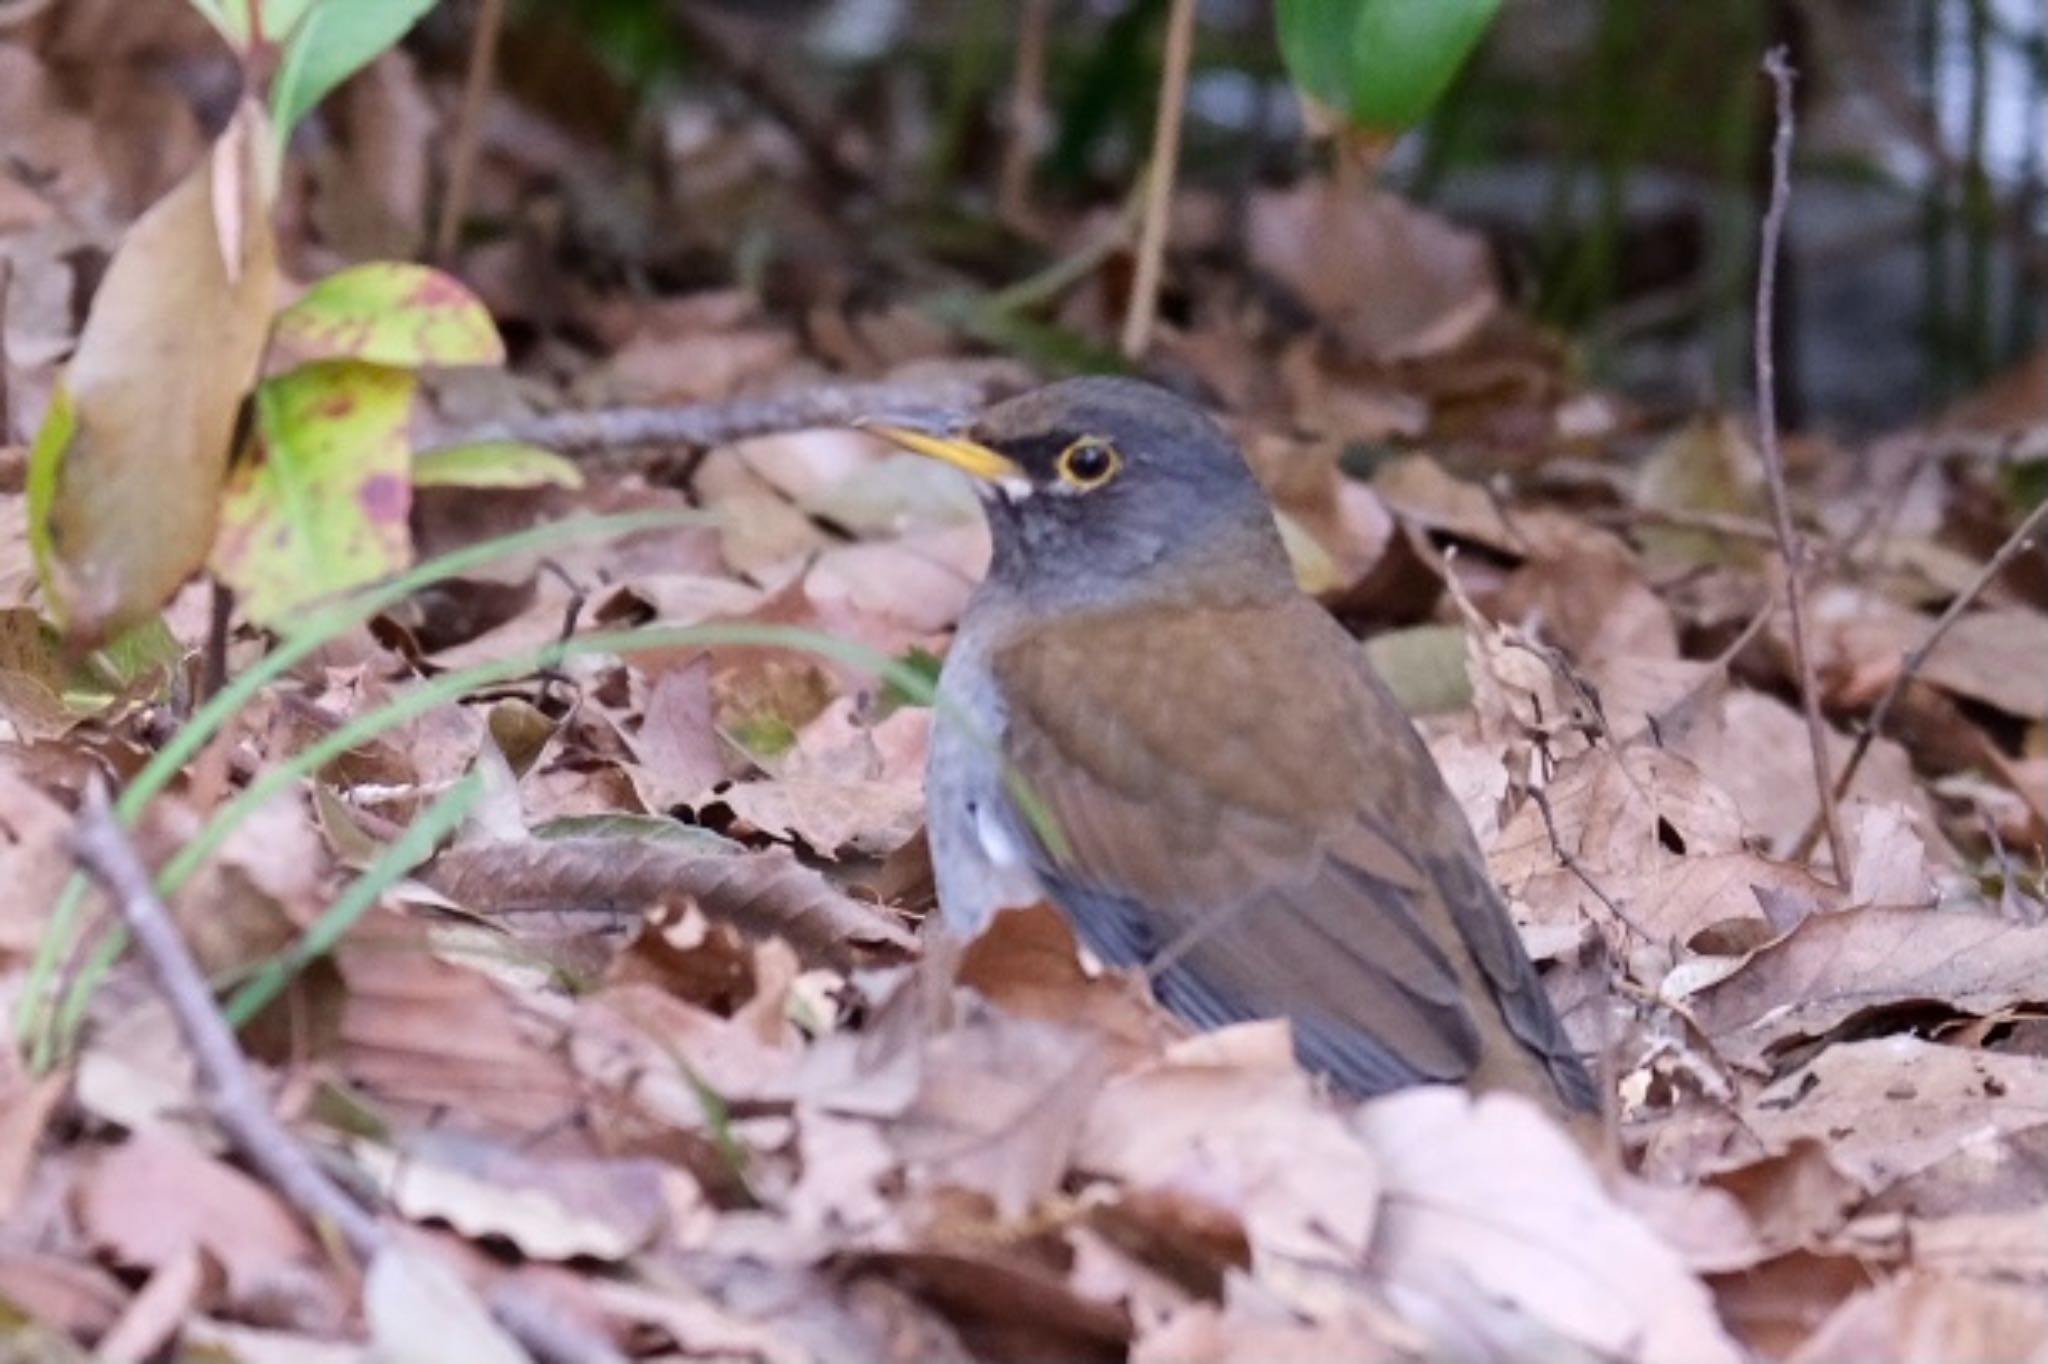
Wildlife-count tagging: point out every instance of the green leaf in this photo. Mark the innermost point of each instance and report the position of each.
(494, 464)
(323, 507)
(336, 40)
(1382, 64)
(230, 18)
(391, 313)
(280, 18)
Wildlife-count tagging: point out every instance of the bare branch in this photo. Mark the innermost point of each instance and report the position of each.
(1789, 546)
(2015, 544)
(706, 424)
(1159, 177)
(239, 1107)
(468, 132)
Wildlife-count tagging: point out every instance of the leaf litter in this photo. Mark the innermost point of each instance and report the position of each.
(649, 1037)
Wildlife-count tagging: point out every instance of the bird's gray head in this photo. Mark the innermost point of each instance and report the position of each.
(1102, 488)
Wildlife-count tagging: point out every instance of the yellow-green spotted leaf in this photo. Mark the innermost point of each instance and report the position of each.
(391, 313)
(494, 464)
(323, 507)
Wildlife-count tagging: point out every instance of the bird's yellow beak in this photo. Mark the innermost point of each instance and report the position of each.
(975, 458)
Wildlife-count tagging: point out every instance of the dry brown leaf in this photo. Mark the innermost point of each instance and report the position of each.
(1489, 1200)
(155, 1198)
(138, 488)
(766, 893)
(1836, 966)
(1393, 281)
(35, 860)
(1891, 1107)
(78, 1300)
(552, 1208)
(1932, 1318)
(1208, 1335)
(872, 818)
(1000, 1106)
(1249, 1138)
(420, 1311)
(432, 1042)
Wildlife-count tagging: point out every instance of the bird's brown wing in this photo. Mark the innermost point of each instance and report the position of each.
(1267, 850)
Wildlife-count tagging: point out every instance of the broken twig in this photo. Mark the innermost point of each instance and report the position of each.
(1159, 177)
(238, 1104)
(1780, 71)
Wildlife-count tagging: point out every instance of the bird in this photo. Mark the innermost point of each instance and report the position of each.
(1143, 720)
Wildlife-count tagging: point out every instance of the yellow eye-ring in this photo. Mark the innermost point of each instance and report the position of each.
(1089, 462)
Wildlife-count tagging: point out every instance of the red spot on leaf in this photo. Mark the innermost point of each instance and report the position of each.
(386, 498)
(437, 291)
(336, 406)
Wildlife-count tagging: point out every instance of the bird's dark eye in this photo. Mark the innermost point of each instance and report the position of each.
(1088, 463)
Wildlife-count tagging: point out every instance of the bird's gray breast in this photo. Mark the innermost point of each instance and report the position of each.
(981, 857)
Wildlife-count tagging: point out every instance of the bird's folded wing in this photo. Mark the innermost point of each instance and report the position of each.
(1248, 848)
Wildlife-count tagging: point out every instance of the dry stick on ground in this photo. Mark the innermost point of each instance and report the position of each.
(1780, 72)
(238, 1104)
(1027, 119)
(2015, 545)
(469, 119)
(707, 424)
(6, 283)
(1159, 177)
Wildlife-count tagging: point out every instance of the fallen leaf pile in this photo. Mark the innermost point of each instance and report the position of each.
(650, 1040)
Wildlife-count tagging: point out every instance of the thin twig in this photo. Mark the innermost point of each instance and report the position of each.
(244, 1116)
(1159, 177)
(6, 286)
(2015, 545)
(468, 131)
(704, 424)
(1027, 121)
(1780, 71)
(1656, 722)
(1569, 860)
(238, 1104)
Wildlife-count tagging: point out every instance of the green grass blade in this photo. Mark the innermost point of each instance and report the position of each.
(61, 934)
(406, 852)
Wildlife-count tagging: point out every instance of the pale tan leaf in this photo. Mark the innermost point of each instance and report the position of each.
(1836, 966)
(421, 1312)
(1489, 1201)
(1891, 1107)
(1932, 1318)
(552, 1208)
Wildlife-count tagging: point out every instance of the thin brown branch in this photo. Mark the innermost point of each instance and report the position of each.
(468, 131)
(1027, 119)
(1159, 177)
(697, 425)
(1569, 860)
(2015, 545)
(239, 1107)
(1780, 71)
(6, 285)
